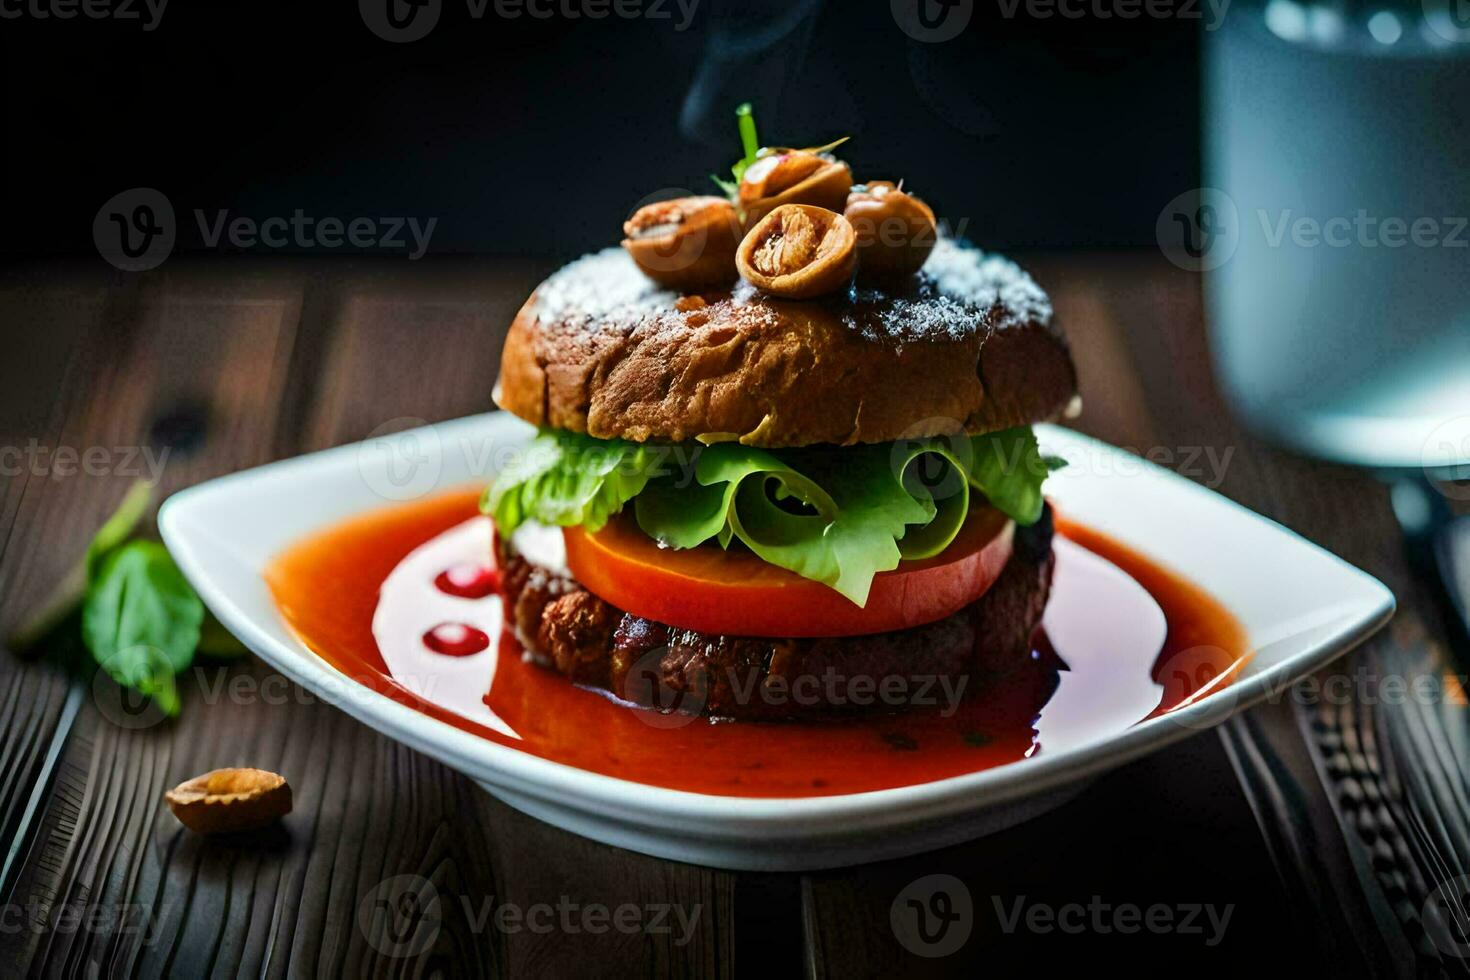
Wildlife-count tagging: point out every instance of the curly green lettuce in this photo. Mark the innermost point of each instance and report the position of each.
(834, 515)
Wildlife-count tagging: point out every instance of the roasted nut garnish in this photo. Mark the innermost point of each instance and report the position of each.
(895, 230)
(784, 176)
(798, 251)
(227, 801)
(685, 243)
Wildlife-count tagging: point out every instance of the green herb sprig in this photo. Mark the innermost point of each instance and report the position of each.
(745, 118)
(132, 609)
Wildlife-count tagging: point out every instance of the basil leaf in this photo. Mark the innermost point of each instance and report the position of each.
(141, 619)
(146, 670)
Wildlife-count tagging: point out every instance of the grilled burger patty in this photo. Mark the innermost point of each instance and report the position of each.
(567, 628)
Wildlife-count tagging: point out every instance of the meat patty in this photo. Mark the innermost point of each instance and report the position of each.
(565, 627)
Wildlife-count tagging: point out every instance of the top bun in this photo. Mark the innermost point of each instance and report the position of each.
(967, 345)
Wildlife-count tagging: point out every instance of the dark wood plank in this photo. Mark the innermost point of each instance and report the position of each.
(45, 510)
(302, 361)
(168, 373)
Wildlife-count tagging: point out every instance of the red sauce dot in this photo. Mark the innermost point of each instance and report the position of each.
(456, 639)
(468, 580)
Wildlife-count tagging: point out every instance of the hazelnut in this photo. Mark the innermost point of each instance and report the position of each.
(895, 230)
(685, 243)
(792, 177)
(798, 251)
(227, 801)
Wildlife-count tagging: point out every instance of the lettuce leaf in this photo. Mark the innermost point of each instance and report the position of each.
(566, 478)
(834, 515)
(1008, 469)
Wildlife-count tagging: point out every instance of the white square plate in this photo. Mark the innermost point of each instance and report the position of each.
(1300, 605)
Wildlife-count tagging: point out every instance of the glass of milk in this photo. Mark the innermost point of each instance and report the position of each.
(1335, 225)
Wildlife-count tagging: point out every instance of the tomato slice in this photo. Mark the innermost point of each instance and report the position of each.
(733, 592)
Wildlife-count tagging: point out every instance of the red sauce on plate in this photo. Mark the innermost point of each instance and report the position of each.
(327, 590)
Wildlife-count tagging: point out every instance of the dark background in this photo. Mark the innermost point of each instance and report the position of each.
(537, 136)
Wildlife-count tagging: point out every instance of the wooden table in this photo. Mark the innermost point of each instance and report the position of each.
(1325, 825)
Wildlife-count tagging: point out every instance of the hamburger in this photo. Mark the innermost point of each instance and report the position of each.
(784, 466)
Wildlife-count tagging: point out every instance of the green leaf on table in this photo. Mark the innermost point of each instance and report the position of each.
(141, 619)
